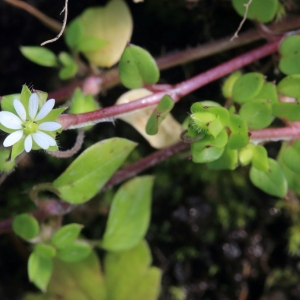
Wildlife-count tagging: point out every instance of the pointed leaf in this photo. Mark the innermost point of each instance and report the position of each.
(66, 235)
(26, 226)
(228, 161)
(74, 252)
(92, 169)
(40, 55)
(137, 67)
(129, 216)
(272, 182)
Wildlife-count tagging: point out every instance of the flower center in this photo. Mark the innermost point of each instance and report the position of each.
(30, 127)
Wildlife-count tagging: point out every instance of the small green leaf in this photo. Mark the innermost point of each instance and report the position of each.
(245, 154)
(247, 87)
(165, 105)
(229, 83)
(39, 270)
(239, 136)
(17, 148)
(137, 67)
(290, 64)
(291, 157)
(257, 113)
(7, 102)
(74, 252)
(86, 43)
(129, 215)
(272, 182)
(290, 45)
(269, 92)
(68, 72)
(73, 33)
(88, 173)
(45, 250)
(40, 55)
(261, 11)
(260, 158)
(228, 161)
(290, 86)
(286, 110)
(26, 226)
(129, 276)
(66, 235)
(66, 59)
(6, 164)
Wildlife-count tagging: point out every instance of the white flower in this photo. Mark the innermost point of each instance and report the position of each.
(29, 125)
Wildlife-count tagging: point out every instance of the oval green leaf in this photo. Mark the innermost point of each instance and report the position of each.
(74, 252)
(287, 110)
(26, 226)
(260, 158)
(239, 136)
(165, 105)
(137, 67)
(66, 235)
(291, 157)
(272, 182)
(129, 215)
(247, 87)
(40, 55)
(262, 11)
(228, 161)
(290, 86)
(92, 169)
(229, 83)
(45, 250)
(39, 270)
(257, 113)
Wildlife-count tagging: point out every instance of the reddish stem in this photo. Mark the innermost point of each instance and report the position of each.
(178, 91)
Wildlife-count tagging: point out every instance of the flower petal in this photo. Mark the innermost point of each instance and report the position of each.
(20, 109)
(43, 140)
(13, 138)
(49, 126)
(10, 120)
(28, 143)
(33, 105)
(46, 108)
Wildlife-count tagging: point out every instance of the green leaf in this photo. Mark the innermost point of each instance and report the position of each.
(239, 136)
(73, 33)
(129, 215)
(88, 173)
(269, 92)
(40, 55)
(290, 45)
(68, 72)
(246, 154)
(262, 11)
(66, 59)
(272, 182)
(82, 103)
(74, 252)
(260, 158)
(54, 114)
(24, 97)
(291, 157)
(39, 270)
(45, 250)
(228, 161)
(128, 275)
(66, 235)
(209, 148)
(257, 113)
(290, 86)
(86, 43)
(82, 280)
(26, 226)
(137, 67)
(286, 110)
(6, 164)
(17, 148)
(247, 87)
(165, 105)
(7, 102)
(229, 83)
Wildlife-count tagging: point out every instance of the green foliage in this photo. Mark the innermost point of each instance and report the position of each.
(290, 55)
(165, 105)
(271, 181)
(239, 136)
(69, 66)
(286, 110)
(5, 163)
(90, 171)
(290, 86)
(129, 215)
(261, 11)
(74, 252)
(137, 67)
(229, 83)
(26, 226)
(40, 55)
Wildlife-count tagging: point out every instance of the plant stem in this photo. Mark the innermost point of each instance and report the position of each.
(111, 78)
(177, 92)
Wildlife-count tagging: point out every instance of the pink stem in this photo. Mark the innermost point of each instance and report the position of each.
(178, 91)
